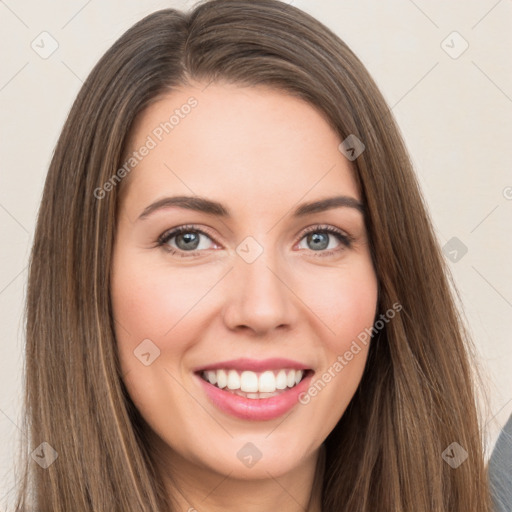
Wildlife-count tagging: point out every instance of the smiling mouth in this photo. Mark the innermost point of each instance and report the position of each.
(254, 385)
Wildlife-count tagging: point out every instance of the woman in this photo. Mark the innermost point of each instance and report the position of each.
(306, 353)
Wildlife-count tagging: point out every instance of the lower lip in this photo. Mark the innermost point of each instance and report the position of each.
(258, 409)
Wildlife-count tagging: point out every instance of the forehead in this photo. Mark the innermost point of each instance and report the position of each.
(232, 141)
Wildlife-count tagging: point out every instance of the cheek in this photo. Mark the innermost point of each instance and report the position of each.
(345, 303)
(153, 310)
(148, 301)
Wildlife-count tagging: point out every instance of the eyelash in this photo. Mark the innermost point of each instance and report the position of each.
(344, 238)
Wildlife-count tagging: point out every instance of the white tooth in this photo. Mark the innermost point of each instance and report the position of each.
(222, 379)
(290, 379)
(256, 396)
(233, 380)
(248, 381)
(281, 380)
(211, 377)
(298, 376)
(267, 382)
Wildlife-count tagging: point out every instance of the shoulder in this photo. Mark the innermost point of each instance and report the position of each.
(500, 470)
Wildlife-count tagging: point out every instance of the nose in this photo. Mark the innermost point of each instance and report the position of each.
(260, 298)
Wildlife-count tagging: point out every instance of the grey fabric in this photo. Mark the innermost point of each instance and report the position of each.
(500, 470)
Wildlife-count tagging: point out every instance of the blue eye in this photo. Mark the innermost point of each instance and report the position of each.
(319, 237)
(187, 240)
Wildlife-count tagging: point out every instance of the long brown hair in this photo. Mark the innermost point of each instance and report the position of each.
(417, 394)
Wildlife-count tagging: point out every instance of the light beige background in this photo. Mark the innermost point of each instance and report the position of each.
(455, 115)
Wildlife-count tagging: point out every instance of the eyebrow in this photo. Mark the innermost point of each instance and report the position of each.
(210, 207)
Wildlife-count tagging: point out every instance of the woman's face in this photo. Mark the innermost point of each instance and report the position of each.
(259, 289)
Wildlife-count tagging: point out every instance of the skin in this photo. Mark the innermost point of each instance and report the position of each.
(261, 153)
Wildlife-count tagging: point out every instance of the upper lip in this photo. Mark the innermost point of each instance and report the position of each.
(255, 365)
